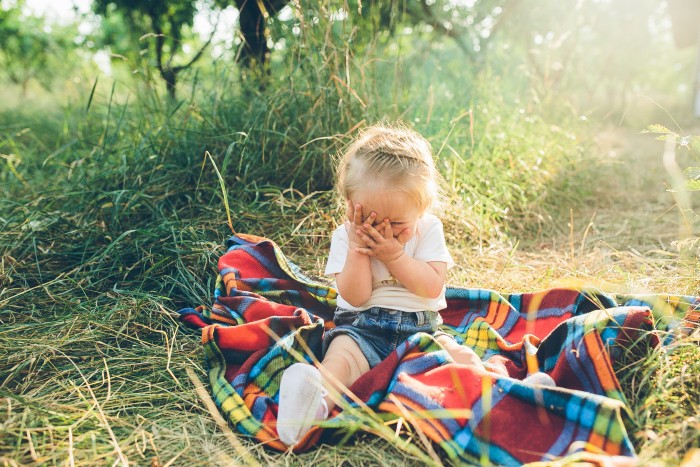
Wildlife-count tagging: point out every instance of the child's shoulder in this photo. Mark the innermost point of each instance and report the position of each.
(340, 230)
(429, 219)
(429, 225)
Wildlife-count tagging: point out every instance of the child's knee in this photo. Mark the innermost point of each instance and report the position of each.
(345, 359)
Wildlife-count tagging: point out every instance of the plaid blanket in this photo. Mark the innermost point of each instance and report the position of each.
(267, 314)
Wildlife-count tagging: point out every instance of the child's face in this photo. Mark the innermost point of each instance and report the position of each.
(401, 210)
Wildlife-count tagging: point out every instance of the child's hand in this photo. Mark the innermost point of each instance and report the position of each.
(355, 223)
(381, 243)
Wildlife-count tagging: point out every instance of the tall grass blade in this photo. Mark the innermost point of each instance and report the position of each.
(222, 185)
(92, 94)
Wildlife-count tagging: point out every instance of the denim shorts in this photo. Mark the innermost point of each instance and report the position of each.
(378, 331)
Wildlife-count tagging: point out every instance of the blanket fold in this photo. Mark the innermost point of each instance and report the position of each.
(267, 314)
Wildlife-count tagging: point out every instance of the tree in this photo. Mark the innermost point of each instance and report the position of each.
(163, 24)
(471, 25)
(462, 22)
(252, 21)
(29, 49)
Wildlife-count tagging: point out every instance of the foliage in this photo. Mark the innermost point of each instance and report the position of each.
(163, 24)
(659, 383)
(253, 20)
(608, 58)
(689, 143)
(470, 25)
(29, 49)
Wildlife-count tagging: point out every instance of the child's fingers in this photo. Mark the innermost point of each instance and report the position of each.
(371, 218)
(357, 214)
(351, 211)
(403, 236)
(369, 241)
(364, 251)
(374, 234)
(388, 232)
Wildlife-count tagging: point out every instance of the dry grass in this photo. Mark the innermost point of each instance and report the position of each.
(622, 239)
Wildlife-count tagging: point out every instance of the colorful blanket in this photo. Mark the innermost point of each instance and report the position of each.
(267, 314)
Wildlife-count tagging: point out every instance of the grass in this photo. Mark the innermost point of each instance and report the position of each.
(96, 370)
(660, 389)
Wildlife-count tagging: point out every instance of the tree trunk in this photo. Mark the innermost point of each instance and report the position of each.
(170, 77)
(254, 54)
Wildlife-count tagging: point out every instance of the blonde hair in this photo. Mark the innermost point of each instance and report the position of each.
(390, 158)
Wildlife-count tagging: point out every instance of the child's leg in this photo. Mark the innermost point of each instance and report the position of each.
(466, 356)
(345, 363)
(303, 397)
(460, 353)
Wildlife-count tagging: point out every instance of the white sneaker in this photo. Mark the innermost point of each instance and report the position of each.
(301, 402)
(540, 378)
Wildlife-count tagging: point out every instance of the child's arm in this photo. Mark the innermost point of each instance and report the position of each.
(425, 279)
(355, 280)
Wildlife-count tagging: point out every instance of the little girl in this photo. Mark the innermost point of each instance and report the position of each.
(389, 260)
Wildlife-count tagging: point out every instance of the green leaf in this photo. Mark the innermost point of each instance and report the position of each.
(659, 129)
(694, 146)
(693, 185)
(667, 137)
(692, 173)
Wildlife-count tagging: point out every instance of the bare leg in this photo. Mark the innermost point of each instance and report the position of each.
(344, 363)
(460, 353)
(304, 394)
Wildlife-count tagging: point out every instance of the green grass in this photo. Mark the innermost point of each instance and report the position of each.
(661, 389)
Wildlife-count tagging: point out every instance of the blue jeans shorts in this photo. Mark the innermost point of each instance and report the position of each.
(378, 331)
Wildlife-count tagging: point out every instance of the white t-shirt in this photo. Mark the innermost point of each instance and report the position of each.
(428, 244)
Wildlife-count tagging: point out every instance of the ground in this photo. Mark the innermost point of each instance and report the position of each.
(623, 238)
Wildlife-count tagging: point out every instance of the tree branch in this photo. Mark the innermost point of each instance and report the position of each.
(274, 6)
(160, 40)
(438, 26)
(198, 55)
